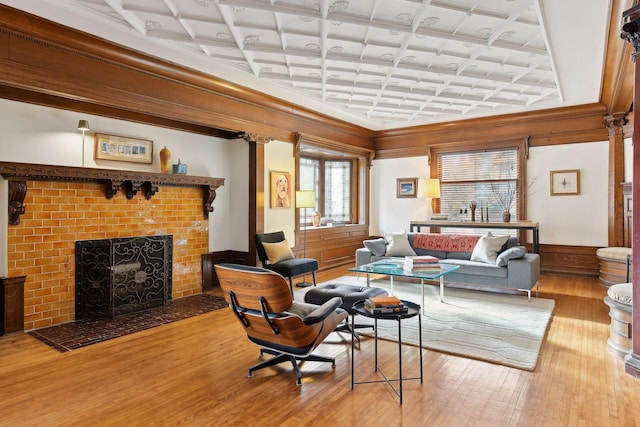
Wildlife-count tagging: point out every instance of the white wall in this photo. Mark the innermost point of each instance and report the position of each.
(564, 220)
(389, 213)
(580, 220)
(278, 156)
(36, 134)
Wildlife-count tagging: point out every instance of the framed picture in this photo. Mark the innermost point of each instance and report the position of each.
(407, 187)
(280, 189)
(565, 183)
(123, 149)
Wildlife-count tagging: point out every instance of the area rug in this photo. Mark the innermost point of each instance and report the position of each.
(498, 328)
(81, 333)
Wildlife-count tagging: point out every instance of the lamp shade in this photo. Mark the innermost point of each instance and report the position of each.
(305, 199)
(429, 188)
(83, 125)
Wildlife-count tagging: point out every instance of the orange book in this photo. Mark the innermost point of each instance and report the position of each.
(384, 301)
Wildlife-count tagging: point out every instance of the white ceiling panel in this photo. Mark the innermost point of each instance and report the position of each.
(377, 63)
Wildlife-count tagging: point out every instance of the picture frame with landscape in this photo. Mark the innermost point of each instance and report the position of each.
(407, 187)
(123, 149)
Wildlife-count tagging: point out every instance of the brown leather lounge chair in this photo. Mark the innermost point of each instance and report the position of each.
(288, 330)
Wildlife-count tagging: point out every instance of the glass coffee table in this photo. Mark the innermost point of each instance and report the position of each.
(395, 267)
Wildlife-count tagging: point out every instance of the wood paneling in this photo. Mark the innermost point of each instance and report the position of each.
(565, 259)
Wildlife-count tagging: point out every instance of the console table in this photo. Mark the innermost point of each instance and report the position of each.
(513, 225)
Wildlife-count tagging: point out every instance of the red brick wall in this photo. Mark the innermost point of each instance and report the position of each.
(58, 213)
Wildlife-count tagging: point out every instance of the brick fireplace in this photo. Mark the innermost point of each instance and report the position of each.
(58, 213)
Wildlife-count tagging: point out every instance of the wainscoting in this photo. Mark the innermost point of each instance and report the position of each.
(574, 260)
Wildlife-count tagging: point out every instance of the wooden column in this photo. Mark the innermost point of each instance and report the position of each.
(631, 33)
(256, 190)
(615, 124)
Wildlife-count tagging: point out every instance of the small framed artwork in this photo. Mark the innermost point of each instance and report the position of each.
(565, 182)
(407, 187)
(123, 149)
(280, 189)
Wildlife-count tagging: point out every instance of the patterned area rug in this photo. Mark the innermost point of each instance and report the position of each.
(498, 328)
(71, 336)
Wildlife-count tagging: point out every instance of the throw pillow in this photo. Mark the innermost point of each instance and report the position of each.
(398, 244)
(277, 252)
(377, 247)
(514, 252)
(486, 250)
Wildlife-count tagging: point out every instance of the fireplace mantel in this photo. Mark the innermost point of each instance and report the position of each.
(18, 173)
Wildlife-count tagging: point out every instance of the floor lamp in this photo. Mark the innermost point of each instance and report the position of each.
(305, 199)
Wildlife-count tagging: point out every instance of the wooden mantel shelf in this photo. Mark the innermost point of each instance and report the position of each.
(133, 181)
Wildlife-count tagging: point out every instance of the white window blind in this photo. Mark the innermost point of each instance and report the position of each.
(480, 176)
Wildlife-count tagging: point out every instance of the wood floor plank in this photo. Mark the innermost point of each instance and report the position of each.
(194, 372)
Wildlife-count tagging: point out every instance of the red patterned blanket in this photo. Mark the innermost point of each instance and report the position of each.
(445, 242)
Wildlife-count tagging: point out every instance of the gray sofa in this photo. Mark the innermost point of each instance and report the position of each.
(514, 268)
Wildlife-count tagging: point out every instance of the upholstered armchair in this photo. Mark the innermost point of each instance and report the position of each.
(275, 254)
(288, 330)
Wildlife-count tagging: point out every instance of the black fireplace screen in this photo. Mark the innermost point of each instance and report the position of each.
(121, 276)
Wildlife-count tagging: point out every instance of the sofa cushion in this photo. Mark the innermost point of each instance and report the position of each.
(277, 252)
(398, 244)
(487, 248)
(377, 247)
(511, 253)
(445, 242)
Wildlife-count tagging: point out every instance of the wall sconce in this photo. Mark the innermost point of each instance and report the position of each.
(83, 125)
(429, 189)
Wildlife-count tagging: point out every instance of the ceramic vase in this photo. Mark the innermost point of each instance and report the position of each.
(506, 216)
(317, 218)
(165, 160)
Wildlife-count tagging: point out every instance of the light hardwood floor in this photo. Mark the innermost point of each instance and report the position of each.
(194, 373)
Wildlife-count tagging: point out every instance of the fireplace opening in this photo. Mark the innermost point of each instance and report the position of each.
(123, 275)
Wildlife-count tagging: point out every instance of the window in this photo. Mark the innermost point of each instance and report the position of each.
(489, 177)
(332, 182)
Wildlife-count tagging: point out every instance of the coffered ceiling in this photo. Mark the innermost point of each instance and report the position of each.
(377, 63)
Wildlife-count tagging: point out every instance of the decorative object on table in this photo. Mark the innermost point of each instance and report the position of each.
(83, 126)
(505, 194)
(440, 216)
(565, 182)
(472, 206)
(429, 189)
(316, 219)
(407, 187)
(481, 212)
(305, 199)
(123, 149)
(280, 189)
(165, 159)
(180, 168)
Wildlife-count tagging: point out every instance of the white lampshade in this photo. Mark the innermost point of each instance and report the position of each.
(305, 199)
(429, 188)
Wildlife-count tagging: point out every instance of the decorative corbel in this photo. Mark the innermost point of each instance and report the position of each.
(111, 188)
(256, 139)
(208, 196)
(17, 193)
(131, 188)
(149, 189)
